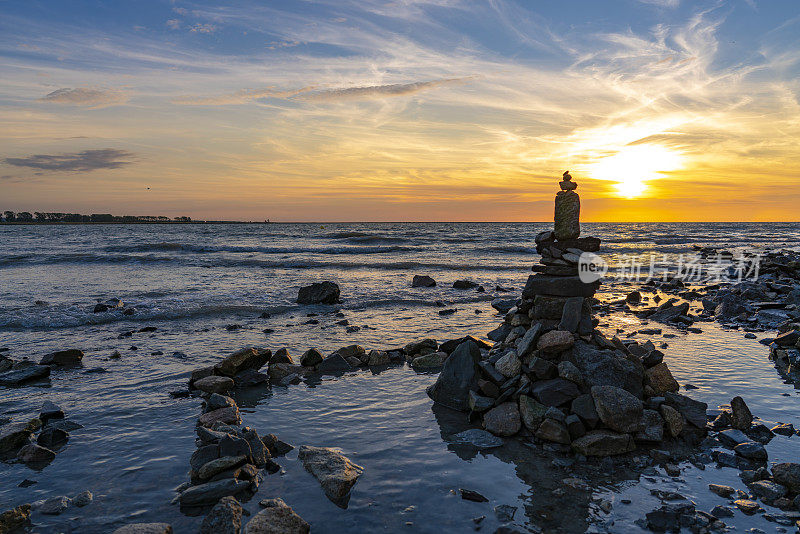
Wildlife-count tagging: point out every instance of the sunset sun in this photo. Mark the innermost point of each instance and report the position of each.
(633, 166)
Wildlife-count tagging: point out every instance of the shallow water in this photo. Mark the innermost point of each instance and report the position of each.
(191, 281)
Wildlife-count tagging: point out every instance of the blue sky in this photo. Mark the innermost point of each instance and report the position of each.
(406, 110)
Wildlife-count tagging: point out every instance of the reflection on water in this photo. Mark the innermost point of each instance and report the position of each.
(136, 441)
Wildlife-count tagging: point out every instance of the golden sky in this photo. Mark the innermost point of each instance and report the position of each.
(410, 110)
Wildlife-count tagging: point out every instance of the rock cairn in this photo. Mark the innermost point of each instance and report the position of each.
(553, 377)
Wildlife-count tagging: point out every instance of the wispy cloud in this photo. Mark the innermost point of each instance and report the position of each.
(381, 91)
(86, 96)
(86, 161)
(239, 97)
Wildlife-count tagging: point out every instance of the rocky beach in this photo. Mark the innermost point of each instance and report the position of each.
(477, 398)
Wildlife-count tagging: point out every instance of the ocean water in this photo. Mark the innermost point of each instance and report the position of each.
(191, 281)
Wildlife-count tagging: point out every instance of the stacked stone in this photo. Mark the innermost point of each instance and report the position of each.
(553, 377)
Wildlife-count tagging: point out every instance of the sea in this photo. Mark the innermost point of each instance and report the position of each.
(210, 289)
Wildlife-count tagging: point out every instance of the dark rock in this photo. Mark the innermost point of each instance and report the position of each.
(50, 411)
(248, 358)
(470, 495)
(224, 518)
(583, 406)
(52, 437)
(211, 492)
(751, 450)
(607, 368)
(423, 281)
(555, 392)
(334, 363)
(617, 408)
(603, 443)
(63, 357)
(741, 418)
(464, 284)
(562, 286)
(694, 411)
(35, 454)
(334, 471)
(277, 518)
(275, 446)
(26, 374)
(319, 293)
(503, 420)
(787, 474)
(310, 358)
(459, 375)
(145, 528)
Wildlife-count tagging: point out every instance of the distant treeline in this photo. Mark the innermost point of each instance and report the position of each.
(43, 217)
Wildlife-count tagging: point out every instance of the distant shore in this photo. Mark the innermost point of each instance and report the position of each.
(57, 223)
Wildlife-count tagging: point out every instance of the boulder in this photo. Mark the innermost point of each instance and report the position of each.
(310, 358)
(15, 435)
(16, 518)
(554, 392)
(672, 418)
(215, 384)
(219, 465)
(422, 281)
(555, 431)
(531, 412)
(459, 375)
(528, 342)
(741, 418)
(35, 454)
(559, 286)
(434, 360)
(618, 409)
(787, 474)
(464, 284)
(603, 443)
(26, 374)
(50, 411)
(377, 358)
(211, 492)
(567, 215)
(54, 505)
(767, 490)
(751, 450)
(281, 356)
(571, 314)
(555, 341)
(248, 358)
(583, 407)
(52, 437)
(422, 346)
(568, 371)
(63, 357)
(607, 368)
(692, 410)
(277, 519)
(651, 428)
(334, 471)
(480, 439)
(660, 379)
(508, 365)
(228, 416)
(319, 293)
(503, 420)
(334, 363)
(224, 518)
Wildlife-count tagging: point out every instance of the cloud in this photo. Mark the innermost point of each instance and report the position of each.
(381, 91)
(662, 3)
(173, 24)
(203, 28)
(93, 98)
(240, 97)
(86, 161)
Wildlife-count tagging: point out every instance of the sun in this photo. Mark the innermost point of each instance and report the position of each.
(632, 166)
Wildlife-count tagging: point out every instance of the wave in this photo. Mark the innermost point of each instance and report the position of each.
(509, 249)
(246, 249)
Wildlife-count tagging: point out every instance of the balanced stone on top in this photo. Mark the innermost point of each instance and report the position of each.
(567, 212)
(567, 184)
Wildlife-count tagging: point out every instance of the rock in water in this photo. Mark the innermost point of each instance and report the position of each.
(249, 358)
(459, 375)
(603, 443)
(319, 293)
(478, 438)
(63, 357)
(423, 281)
(567, 215)
(741, 418)
(335, 472)
(224, 518)
(277, 519)
(15, 518)
(618, 409)
(503, 420)
(212, 492)
(145, 528)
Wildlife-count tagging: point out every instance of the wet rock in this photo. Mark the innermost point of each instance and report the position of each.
(722, 491)
(767, 490)
(603, 443)
(459, 375)
(334, 471)
(15, 435)
(760, 433)
(35, 454)
(583, 407)
(741, 418)
(216, 401)
(575, 426)
(464, 284)
(27, 374)
(247, 358)
(747, 506)
(660, 379)
(554, 431)
(82, 499)
(377, 358)
(651, 428)
(63, 357)
(607, 368)
(480, 439)
(277, 519)
(334, 363)
(555, 341)
(618, 409)
(319, 293)
(692, 410)
(505, 513)
(145, 528)
(211, 492)
(54, 505)
(479, 403)
(275, 446)
(669, 517)
(422, 281)
(258, 451)
(731, 438)
(50, 411)
(310, 358)
(471, 495)
(15, 518)
(503, 420)
(249, 378)
(224, 518)
(568, 371)
(433, 360)
(215, 384)
(281, 356)
(784, 429)
(219, 465)
(531, 412)
(203, 455)
(751, 450)
(721, 511)
(555, 392)
(787, 474)
(508, 365)
(229, 416)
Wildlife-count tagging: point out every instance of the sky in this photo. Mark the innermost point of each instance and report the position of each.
(407, 110)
